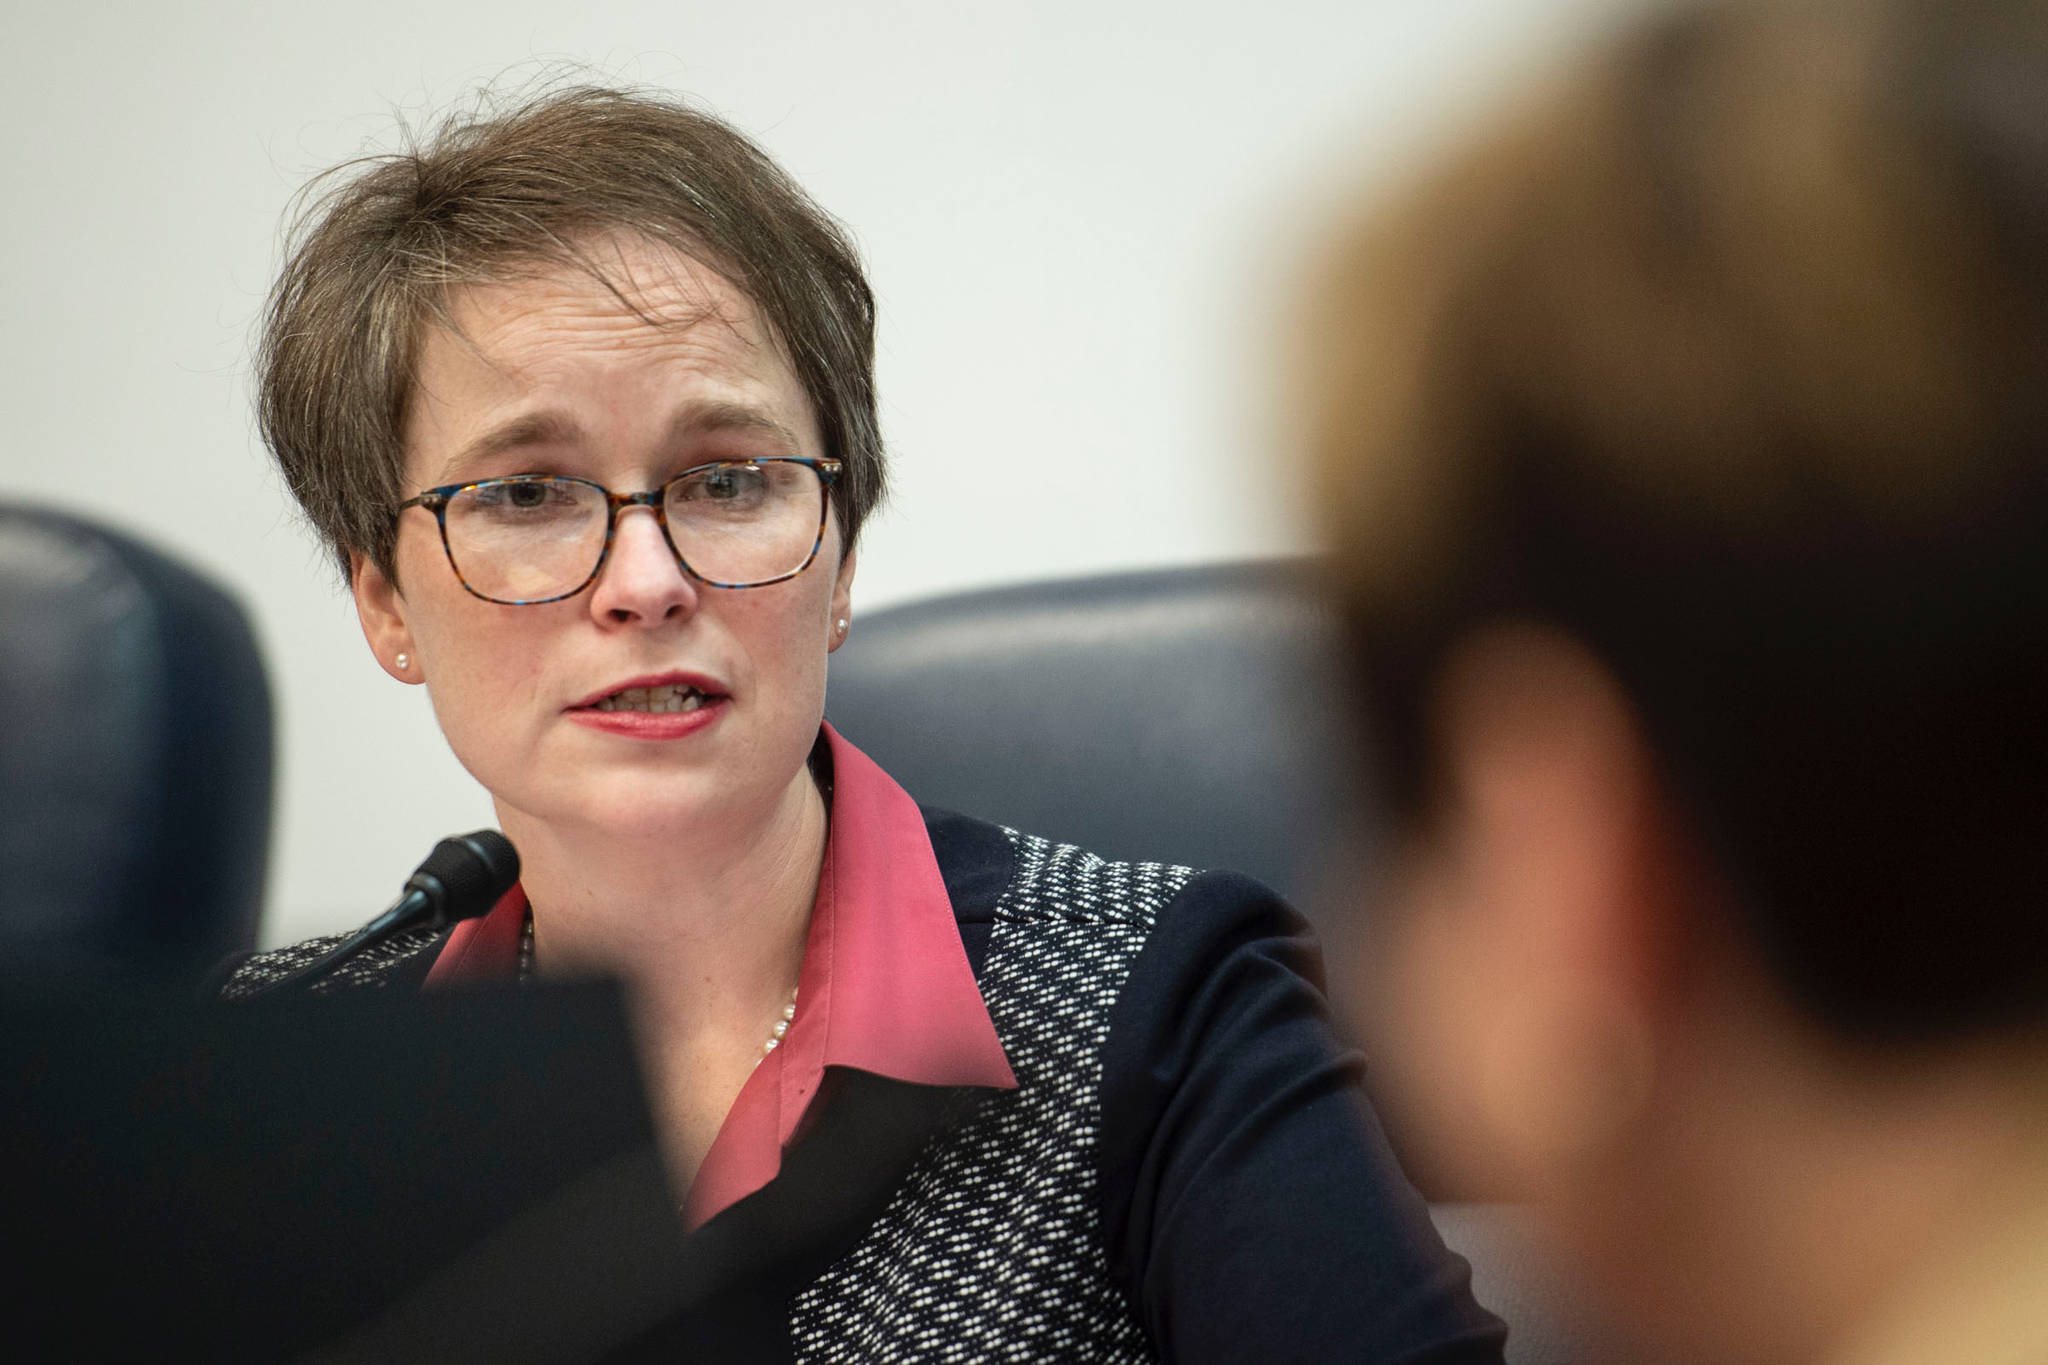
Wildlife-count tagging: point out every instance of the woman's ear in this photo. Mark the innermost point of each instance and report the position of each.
(842, 604)
(1554, 769)
(1540, 924)
(381, 610)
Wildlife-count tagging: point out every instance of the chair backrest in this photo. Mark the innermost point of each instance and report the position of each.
(1520, 1282)
(135, 756)
(1176, 716)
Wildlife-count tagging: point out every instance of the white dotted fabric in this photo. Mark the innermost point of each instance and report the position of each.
(992, 1250)
(370, 967)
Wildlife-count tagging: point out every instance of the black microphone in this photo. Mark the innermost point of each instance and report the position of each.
(462, 878)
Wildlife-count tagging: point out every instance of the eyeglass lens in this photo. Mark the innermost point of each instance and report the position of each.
(523, 540)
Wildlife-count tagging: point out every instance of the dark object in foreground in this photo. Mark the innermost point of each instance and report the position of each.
(461, 1175)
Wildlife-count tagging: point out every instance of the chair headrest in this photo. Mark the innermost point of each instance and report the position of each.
(1179, 715)
(135, 760)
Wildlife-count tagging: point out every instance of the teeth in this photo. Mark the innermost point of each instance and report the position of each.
(669, 697)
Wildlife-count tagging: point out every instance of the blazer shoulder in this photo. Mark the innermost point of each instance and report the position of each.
(402, 961)
(977, 862)
(985, 865)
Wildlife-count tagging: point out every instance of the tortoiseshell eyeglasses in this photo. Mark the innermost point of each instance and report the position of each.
(535, 538)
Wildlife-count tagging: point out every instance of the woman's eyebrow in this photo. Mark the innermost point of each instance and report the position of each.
(531, 429)
(550, 428)
(701, 419)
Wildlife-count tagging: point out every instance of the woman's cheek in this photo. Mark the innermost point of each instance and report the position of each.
(459, 726)
(483, 699)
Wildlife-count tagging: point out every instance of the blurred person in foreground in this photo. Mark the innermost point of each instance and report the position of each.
(1684, 449)
(580, 393)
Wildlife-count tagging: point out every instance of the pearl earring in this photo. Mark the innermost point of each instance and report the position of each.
(404, 661)
(842, 625)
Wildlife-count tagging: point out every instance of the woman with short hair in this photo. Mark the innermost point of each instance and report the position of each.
(580, 394)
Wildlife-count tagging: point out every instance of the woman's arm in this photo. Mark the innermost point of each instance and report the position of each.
(1253, 1208)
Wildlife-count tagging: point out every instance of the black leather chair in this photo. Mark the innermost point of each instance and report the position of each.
(135, 757)
(1181, 715)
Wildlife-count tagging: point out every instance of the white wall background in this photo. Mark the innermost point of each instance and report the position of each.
(1080, 218)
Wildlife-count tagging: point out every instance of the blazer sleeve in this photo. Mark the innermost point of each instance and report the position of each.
(1252, 1206)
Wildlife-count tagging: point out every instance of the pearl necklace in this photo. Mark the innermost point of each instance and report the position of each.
(775, 1035)
(781, 1027)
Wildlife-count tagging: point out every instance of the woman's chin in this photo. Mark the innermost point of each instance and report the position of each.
(627, 808)
(667, 814)
(636, 793)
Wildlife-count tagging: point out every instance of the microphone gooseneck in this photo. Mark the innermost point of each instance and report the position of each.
(462, 878)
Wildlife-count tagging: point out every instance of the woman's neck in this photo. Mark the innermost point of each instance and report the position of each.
(1793, 1195)
(706, 927)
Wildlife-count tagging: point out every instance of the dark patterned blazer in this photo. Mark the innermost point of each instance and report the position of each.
(1186, 1171)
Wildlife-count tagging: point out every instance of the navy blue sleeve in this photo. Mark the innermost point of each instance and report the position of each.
(1253, 1208)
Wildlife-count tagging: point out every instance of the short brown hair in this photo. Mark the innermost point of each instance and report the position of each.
(1729, 358)
(378, 243)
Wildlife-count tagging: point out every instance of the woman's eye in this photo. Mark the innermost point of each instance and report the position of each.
(526, 501)
(522, 497)
(727, 483)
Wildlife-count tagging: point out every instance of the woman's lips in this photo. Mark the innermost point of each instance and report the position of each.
(653, 706)
(630, 689)
(652, 724)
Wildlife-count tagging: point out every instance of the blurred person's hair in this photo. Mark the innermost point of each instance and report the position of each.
(494, 194)
(1730, 361)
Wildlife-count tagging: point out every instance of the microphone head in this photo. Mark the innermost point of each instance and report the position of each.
(467, 874)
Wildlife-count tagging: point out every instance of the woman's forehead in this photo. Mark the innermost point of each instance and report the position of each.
(635, 328)
(617, 291)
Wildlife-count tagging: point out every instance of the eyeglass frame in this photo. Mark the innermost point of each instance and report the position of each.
(436, 500)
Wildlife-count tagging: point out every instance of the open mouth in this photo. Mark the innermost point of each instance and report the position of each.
(668, 699)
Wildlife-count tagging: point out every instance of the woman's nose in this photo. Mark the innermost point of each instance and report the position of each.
(641, 579)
